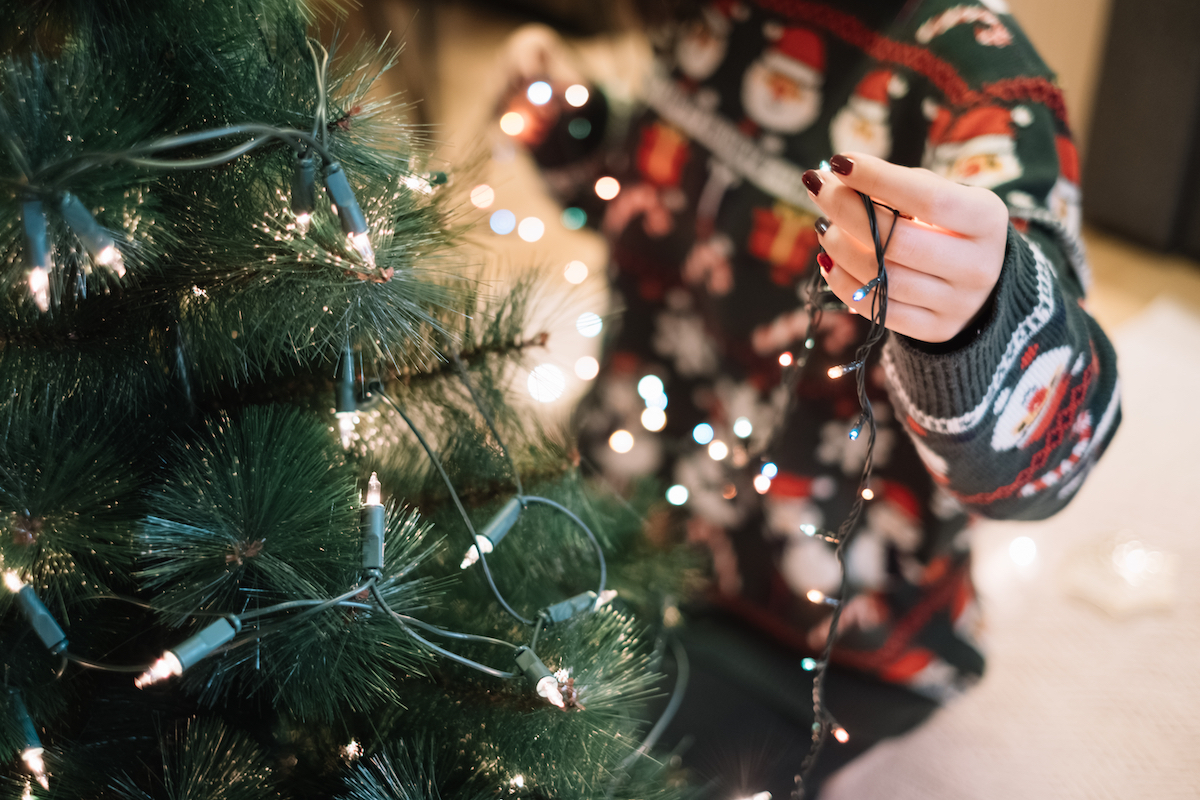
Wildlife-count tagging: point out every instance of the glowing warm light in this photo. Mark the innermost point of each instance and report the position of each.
(587, 368)
(868, 494)
(1133, 562)
(531, 229)
(1022, 550)
(742, 427)
(576, 272)
(654, 419)
(577, 94)
(762, 484)
(703, 433)
(374, 491)
(836, 372)
(607, 188)
(32, 757)
(677, 495)
(346, 422)
(110, 257)
(503, 222)
(160, 670)
(785, 359)
(352, 750)
(517, 781)
(482, 196)
(539, 93)
(718, 450)
(589, 324)
(815, 596)
(39, 287)
(512, 123)
(546, 383)
(840, 734)
(621, 441)
(303, 220)
(769, 469)
(650, 386)
(361, 244)
(13, 581)
(729, 491)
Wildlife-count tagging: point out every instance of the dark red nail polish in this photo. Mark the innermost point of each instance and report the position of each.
(822, 224)
(825, 261)
(841, 165)
(812, 181)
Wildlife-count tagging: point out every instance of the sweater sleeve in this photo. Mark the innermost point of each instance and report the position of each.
(1011, 421)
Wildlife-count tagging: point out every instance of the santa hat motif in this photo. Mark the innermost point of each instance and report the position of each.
(720, 15)
(979, 121)
(797, 52)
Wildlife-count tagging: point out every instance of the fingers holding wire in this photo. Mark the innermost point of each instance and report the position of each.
(854, 266)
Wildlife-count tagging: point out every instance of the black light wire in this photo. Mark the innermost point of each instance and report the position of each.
(823, 721)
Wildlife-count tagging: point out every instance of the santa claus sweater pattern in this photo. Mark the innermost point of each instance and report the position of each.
(712, 239)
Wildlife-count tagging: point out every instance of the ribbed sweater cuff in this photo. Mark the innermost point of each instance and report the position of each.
(950, 385)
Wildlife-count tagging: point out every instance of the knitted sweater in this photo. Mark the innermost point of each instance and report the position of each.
(712, 245)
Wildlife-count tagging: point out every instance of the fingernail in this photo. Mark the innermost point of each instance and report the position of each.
(841, 165)
(822, 225)
(812, 181)
(825, 262)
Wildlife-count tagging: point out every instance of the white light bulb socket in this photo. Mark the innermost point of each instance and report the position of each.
(43, 623)
(214, 635)
(564, 610)
(539, 675)
(304, 185)
(96, 240)
(496, 529)
(373, 523)
(342, 196)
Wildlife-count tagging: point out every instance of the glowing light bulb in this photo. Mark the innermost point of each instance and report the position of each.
(517, 781)
(589, 324)
(353, 750)
(539, 93)
(303, 220)
(576, 272)
(762, 484)
(374, 491)
(531, 229)
(769, 469)
(110, 257)
(607, 188)
(347, 420)
(482, 196)
(843, 369)
(1022, 551)
(13, 581)
(650, 386)
(577, 94)
(548, 688)
(855, 432)
(815, 596)
(32, 756)
(621, 441)
(677, 495)
(165, 667)
(840, 734)
(785, 359)
(587, 368)
(654, 419)
(546, 383)
(482, 543)
(742, 427)
(512, 123)
(361, 244)
(868, 494)
(808, 664)
(703, 433)
(718, 450)
(808, 530)
(503, 222)
(39, 288)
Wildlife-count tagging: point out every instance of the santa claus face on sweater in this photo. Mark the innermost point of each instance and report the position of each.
(862, 127)
(986, 161)
(701, 48)
(1029, 409)
(781, 94)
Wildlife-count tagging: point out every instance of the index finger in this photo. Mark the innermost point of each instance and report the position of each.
(966, 210)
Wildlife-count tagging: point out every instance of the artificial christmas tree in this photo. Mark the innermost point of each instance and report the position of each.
(257, 463)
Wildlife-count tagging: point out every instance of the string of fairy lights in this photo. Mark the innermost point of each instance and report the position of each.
(48, 186)
(652, 391)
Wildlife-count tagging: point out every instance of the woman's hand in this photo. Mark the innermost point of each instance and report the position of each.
(941, 265)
